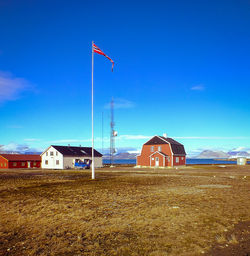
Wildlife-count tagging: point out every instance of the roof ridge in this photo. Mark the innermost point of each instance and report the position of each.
(163, 138)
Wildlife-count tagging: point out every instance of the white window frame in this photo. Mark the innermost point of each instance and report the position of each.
(177, 159)
(152, 149)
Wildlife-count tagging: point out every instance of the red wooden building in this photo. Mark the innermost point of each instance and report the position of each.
(161, 152)
(8, 161)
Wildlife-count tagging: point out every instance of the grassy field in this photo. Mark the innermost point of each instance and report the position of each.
(125, 211)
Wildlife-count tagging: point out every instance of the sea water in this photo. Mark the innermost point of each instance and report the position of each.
(188, 161)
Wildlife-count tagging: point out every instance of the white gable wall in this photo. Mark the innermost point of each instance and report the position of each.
(52, 159)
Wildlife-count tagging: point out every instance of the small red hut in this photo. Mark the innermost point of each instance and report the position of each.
(161, 152)
(8, 161)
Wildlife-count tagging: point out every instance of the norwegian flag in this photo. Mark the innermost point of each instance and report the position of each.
(96, 49)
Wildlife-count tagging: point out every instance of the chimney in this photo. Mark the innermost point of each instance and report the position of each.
(165, 135)
(68, 145)
(80, 145)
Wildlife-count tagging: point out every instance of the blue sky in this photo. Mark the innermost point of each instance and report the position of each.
(181, 68)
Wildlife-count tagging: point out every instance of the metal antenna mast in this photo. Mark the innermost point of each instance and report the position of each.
(113, 133)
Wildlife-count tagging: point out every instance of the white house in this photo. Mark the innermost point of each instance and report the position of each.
(64, 157)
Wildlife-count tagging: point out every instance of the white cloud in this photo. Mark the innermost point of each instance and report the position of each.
(121, 103)
(14, 147)
(69, 141)
(134, 151)
(11, 87)
(241, 149)
(96, 139)
(133, 137)
(199, 87)
(212, 138)
(31, 139)
(21, 148)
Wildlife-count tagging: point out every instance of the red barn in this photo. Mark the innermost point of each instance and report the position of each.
(161, 152)
(8, 161)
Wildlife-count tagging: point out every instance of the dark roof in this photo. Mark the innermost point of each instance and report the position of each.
(177, 148)
(76, 151)
(21, 157)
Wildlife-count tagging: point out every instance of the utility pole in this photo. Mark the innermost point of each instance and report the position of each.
(113, 133)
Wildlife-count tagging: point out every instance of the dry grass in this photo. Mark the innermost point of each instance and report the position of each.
(125, 211)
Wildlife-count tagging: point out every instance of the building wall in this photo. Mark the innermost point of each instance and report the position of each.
(179, 160)
(24, 164)
(98, 162)
(162, 160)
(147, 150)
(3, 163)
(68, 162)
(52, 159)
(51, 155)
(144, 159)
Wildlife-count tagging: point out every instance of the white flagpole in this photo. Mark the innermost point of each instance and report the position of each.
(93, 158)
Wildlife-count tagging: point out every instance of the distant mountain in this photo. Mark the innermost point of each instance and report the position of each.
(233, 154)
(206, 154)
(125, 155)
(15, 148)
(20, 152)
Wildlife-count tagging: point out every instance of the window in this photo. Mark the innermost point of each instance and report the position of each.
(152, 148)
(14, 164)
(46, 153)
(159, 148)
(182, 158)
(1, 165)
(23, 164)
(46, 162)
(57, 162)
(34, 163)
(51, 153)
(5, 164)
(56, 153)
(177, 159)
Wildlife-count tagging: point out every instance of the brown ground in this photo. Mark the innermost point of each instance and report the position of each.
(126, 211)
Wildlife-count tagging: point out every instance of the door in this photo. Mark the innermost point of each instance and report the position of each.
(156, 161)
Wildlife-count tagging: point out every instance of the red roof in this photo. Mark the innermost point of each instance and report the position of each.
(20, 157)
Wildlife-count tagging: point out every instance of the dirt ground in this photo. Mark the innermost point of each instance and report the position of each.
(193, 210)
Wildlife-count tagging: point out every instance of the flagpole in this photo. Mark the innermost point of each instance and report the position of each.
(93, 158)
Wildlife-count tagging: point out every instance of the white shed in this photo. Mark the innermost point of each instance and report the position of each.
(241, 160)
(64, 157)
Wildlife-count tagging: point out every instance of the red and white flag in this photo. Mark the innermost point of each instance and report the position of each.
(96, 49)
